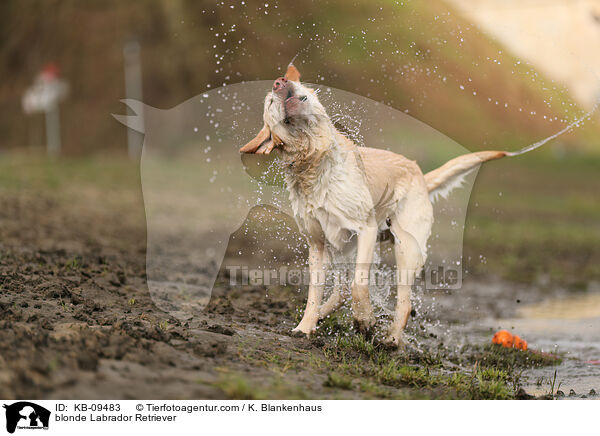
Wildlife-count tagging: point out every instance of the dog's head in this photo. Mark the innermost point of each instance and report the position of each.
(292, 114)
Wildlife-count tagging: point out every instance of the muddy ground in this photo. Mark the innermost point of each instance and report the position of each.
(77, 321)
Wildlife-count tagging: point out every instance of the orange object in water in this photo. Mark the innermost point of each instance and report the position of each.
(504, 338)
(507, 340)
(519, 343)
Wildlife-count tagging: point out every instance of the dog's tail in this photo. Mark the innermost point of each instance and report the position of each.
(451, 175)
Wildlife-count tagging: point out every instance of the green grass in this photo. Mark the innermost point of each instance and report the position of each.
(544, 223)
(73, 264)
(336, 380)
(535, 216)
(237, 386)
(351, 365)
(34, 171)
(418, 376)
(361, 367)
(492, 356)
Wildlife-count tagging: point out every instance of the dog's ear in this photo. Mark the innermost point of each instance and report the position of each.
(292, 73)
(261, 144)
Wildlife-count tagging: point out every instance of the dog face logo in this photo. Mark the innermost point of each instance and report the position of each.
(26, 415)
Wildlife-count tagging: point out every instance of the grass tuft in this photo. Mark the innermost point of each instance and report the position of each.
(336, 380)
(507, 359)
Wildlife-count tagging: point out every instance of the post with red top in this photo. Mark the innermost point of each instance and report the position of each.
(44, 96)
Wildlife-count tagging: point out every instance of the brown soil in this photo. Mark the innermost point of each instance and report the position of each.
(78, 321)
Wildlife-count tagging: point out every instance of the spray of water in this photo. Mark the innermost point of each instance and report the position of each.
(304, 49)
(566, 129)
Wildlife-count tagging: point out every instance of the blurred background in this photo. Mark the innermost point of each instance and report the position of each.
(495, 74)
(500, 73)
(489, 74)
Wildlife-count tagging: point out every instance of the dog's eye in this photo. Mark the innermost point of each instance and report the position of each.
(302, 98)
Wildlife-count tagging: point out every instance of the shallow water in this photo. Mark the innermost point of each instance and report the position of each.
(565, 325)
(550, 319)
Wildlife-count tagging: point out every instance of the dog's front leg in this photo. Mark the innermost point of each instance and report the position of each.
(362, 311)
(316, 265)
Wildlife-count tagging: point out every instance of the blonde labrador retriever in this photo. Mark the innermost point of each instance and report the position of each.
(338, 189)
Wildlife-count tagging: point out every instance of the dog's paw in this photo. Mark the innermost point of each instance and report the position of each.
(298, 334)
(392, 342)
(397, 341)
(366, 326)
(302, 331)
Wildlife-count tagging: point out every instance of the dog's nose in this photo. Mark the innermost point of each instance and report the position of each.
(280, 83)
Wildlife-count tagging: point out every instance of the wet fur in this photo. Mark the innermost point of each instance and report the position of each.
(339, 191)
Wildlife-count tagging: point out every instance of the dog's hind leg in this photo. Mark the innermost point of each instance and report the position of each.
(362, 310)
(409, 261)
(317, 258)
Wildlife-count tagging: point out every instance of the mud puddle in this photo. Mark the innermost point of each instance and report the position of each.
(552, 322)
